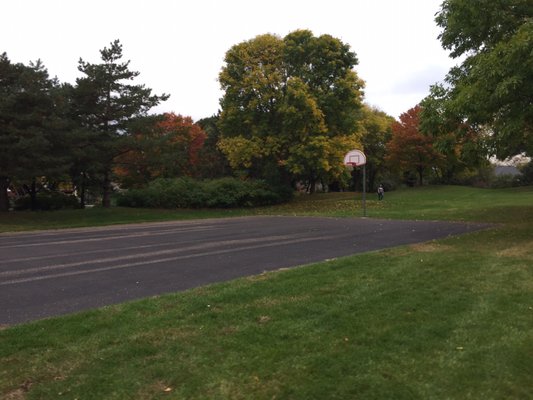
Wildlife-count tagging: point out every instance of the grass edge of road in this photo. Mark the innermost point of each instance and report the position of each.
(444, 319)
(449, 203)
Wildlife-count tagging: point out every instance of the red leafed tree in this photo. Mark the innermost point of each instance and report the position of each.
(409, 150)
(185, 135)
(168, 148)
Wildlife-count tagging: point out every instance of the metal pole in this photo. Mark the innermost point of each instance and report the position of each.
(364, 190)
(354, 176)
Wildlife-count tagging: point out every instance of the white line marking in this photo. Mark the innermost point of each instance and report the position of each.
(143, 255)
(108, 250)
(135, 264)
(96, 239)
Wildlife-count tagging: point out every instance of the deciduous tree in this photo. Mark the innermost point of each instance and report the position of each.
(213, 163)
(168, 147)
(493, 85)
(290, 107)
(409, 150)
(376, 132)
(462, 145)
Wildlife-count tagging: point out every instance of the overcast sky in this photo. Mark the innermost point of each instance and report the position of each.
(179, 46)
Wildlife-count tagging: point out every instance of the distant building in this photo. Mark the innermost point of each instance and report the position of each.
(506, 170)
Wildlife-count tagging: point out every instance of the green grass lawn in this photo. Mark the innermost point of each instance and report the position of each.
(447, 319)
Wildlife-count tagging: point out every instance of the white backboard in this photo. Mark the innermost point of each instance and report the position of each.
(355, 158)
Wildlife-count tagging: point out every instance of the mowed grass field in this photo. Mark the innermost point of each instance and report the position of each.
(447, 319)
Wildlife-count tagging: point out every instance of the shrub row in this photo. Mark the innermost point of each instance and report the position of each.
(190, 193)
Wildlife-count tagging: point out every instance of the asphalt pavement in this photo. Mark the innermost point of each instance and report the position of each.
(50, 273)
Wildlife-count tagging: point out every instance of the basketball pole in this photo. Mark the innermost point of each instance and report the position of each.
(356, 158)
(364, 190)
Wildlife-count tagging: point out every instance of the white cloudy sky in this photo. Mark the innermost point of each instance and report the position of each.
(179, 46)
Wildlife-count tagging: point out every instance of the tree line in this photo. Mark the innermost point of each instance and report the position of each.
(52, 131)
(292, 108)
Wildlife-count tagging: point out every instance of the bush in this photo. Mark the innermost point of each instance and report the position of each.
(175, 193)
(189, 193)
(48, 201)
(164, 193)
(505, 181)
(527, 174)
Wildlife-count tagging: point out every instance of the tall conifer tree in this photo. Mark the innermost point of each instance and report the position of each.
(106, 104)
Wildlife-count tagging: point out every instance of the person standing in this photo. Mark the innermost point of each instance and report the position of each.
(381, 192)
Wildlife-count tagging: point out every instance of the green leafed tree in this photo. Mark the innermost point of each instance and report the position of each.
(463, 146)
(32, 129)
(290, 107)
(212, 162)
(376, 132)
(106, 103)
(493, 85)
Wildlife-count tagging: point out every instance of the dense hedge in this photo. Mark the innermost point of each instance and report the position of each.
(190, 193)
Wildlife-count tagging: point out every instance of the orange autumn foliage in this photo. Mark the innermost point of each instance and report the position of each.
(183, 130)
(409, 149)
(169, 148)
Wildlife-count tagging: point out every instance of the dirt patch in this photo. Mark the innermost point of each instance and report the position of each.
(429, 247)
(154, 390)
(263, 319)
(18, 394)
(267, 302)
(522, 251)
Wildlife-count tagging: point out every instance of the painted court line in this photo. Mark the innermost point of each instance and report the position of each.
(53, 267)
(105, 238)
(148, 262)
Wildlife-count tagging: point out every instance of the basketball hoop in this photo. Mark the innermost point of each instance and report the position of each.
(355, 158)
(351, 165)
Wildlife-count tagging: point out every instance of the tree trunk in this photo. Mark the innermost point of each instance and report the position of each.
(33, 194)
(312, 186)
(106, 195)
(371, 176)
(4, 199)
(82, 190)
(421, 175)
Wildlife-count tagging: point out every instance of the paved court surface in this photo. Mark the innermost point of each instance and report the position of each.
(50, 273)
